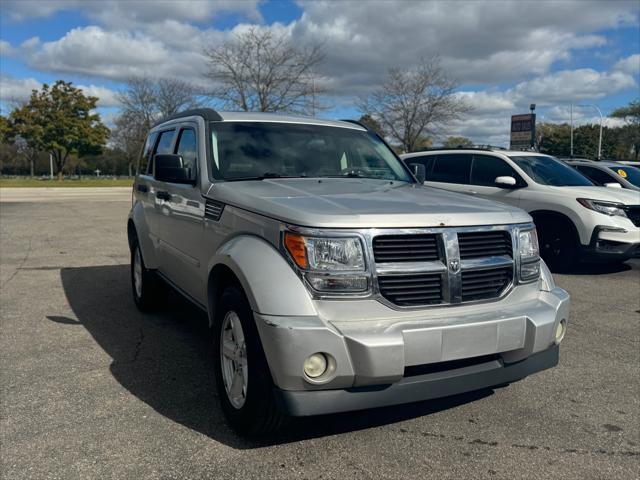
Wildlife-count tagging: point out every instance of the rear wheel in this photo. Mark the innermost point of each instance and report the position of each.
(558, 245)
(144, 283)
(242, 374)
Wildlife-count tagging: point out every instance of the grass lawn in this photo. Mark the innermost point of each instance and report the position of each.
(88, 182)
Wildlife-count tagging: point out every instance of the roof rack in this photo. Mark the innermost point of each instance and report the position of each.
(486, 148)
(209, 114)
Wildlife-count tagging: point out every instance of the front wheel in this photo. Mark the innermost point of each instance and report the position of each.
(242, 374)
(558, 246)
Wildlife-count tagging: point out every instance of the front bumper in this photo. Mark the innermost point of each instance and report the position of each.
(415, 388)
(375, 346)
(609, 243)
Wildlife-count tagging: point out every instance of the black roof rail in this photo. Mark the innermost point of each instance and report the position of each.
(485, 148)
(209, 114)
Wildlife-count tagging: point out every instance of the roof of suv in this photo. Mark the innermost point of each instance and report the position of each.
(210, 114)
(594, 163)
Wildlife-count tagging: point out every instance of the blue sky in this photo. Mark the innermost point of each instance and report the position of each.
(504, 54)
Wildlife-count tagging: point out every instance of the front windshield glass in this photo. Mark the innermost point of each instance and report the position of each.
(547, 170)
(630, 174)
(255, 150)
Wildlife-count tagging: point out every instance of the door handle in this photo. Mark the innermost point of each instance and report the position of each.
(163, 195)
(472, 192)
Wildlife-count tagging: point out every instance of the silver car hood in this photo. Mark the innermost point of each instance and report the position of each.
(362, 203)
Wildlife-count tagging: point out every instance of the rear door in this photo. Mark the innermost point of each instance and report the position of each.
(484, 171)
(182, 220)
(451, 171)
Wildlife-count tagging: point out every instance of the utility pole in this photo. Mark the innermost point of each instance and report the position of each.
(50, 166)
(571, 154)
(601, 120)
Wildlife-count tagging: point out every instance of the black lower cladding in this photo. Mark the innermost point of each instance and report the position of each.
(416, 388)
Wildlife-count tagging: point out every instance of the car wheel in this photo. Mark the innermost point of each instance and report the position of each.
(558, 246)
(144, 283)
(242, 374)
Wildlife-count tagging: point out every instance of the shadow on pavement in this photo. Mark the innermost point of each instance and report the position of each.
(164, 360)
(601, 268)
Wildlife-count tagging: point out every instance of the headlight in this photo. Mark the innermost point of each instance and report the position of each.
(529, 255)
(329, 264)
(608, 208)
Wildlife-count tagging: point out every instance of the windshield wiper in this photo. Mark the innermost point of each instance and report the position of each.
(264, 176)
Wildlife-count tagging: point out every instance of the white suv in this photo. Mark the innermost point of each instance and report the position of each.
(574, 218)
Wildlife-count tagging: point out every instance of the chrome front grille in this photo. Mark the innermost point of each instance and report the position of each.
(485, 284)
(484, 244)
(412, 289)
(405, 248)
(426, 267)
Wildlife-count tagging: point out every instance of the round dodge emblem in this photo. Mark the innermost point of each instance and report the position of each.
(454, 265)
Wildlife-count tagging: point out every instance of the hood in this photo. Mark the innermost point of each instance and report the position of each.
(619, 195)
(362, 203)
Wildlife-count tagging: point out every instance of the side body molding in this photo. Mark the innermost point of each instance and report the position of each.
(271, 285)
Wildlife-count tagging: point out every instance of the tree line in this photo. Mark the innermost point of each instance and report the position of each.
(255, 71)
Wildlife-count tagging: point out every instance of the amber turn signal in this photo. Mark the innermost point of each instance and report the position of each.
(295, 247)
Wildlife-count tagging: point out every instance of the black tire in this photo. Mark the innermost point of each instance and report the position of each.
(259, 413)
(558, 245)
(145, 297)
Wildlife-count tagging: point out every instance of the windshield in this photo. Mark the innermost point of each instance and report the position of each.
(256, 150)
(547, 170)
(630, 174)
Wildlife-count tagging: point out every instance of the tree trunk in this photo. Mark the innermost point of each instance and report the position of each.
(32, 167)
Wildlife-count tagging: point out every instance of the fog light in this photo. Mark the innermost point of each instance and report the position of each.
(315, 365)
(561, 329)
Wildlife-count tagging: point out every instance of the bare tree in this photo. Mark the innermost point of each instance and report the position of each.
(144, 102)
(173, 96)
(414, 103)
(259, 70)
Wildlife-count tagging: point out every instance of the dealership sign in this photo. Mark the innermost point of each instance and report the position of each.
(523, 131)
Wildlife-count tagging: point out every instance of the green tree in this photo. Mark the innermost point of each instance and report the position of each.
(454, 142)
(629, 135)
(60, 120)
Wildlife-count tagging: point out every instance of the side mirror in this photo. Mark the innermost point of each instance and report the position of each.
(613, 185)
(418, 171)
(170, 168)
(505, 182)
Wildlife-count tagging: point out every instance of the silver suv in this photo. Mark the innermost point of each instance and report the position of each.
(332, 279)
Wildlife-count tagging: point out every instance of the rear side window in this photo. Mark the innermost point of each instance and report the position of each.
(165, 142)
(143, 166)
(487, 168)
(454, 168)
(596, 175)
(187, 147)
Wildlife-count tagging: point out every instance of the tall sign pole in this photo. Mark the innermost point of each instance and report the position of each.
(571, 115)
(532, 107)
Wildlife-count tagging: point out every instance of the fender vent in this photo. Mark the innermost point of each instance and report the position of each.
(213, 210)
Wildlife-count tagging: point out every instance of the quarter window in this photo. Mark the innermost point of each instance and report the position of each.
(487, 168)
(165, 142)
(454, 168)
(187, 148)
(143, 166)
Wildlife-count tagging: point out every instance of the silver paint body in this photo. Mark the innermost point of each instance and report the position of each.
(371, 340)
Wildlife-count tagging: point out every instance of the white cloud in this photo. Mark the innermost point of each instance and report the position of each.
(17, 90)
(629, 65)
(14, 90)
(133, 12)
(6, 50)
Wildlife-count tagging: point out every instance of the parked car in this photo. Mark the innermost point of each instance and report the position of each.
(575, 219)
(608, 174)
(334, 281)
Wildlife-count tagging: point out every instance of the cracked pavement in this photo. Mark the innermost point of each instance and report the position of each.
(91, 388)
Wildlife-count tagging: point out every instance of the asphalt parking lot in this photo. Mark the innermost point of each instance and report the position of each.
(91, 388)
